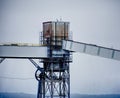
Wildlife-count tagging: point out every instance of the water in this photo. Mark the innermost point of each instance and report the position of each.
(22, 95)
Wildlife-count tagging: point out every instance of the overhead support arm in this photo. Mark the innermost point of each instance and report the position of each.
(34, 52)
(91, 49)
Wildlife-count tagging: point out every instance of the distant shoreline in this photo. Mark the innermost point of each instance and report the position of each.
(24, 95)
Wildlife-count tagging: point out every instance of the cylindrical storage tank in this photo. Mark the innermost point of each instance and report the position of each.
(55, 32)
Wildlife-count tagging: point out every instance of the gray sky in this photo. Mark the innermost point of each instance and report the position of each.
(91, 21)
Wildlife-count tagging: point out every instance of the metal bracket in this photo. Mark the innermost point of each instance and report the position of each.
(36, 65)
(1, 60)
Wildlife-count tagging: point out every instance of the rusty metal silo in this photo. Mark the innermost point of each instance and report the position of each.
(55, 32)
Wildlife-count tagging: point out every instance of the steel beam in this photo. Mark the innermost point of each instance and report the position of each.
(91, 49)
(36, 52)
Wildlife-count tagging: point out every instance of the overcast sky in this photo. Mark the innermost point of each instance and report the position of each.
(91, 21)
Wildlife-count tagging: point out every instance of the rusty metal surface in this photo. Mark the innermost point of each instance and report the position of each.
(56, 32)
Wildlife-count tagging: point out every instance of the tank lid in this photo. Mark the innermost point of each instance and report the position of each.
(55, 22)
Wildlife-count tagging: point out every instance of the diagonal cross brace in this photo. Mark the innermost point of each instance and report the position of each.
(36, 65)
(1, 60)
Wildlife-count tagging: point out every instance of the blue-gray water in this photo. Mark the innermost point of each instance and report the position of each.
(22, 95)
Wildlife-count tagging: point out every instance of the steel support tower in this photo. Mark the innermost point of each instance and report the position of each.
(54, 81)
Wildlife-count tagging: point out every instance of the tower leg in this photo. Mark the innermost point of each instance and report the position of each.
(68, 83)
(39, 90)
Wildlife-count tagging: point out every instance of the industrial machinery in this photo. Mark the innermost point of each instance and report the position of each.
(55, 52)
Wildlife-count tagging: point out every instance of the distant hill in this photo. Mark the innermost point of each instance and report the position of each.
(95, 96)
(16, 95)
(22, 95)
